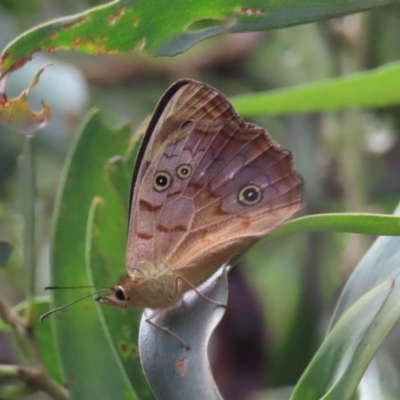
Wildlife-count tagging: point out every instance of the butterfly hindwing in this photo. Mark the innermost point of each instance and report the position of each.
(206, 180)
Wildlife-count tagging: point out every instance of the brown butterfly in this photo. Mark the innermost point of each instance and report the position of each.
(206, 185)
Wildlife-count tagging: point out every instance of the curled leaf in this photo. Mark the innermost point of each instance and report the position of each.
(17, 115)
(173, 371)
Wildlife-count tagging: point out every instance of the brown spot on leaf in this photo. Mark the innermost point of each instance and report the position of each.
(181, 365)
(124, 348)
(114, 18)
(3, 59)
(53, 35)
(128, 350)
(77, 22)
(20, 63)
(134, 350)
(77, 42)
(52, 49)
(135, 22)
(249, 11)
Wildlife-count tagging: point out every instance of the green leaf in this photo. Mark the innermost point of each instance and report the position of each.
(338, 366)
(160, 29)
(5, 252)
(375, 88)
(368, 309)
(89, 364)
(380, 263)
(367, 224)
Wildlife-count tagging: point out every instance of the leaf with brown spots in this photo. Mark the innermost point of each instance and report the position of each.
(161, 28)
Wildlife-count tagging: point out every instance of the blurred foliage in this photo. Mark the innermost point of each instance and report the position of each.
(350, 160)
(5, 252)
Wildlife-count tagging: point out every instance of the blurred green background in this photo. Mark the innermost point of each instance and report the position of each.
(350, 161)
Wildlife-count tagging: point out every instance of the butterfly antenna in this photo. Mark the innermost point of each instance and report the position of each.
(45, 315)
(69, 287)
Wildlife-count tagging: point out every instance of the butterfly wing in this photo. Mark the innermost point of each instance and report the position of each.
(208, 184)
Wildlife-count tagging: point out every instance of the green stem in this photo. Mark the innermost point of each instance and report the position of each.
(28, 189)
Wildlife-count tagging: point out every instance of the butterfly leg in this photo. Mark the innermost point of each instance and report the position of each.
(165, 329)
(197, 292)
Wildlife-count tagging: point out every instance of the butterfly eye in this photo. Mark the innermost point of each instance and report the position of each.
(162, 181)
(250, 195)
(184, 171)
(119, 293)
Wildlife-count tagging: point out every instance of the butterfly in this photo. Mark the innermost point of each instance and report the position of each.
(206, 186)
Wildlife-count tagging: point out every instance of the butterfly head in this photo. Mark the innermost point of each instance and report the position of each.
(121, 295)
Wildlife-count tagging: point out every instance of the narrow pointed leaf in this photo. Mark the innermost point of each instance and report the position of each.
(343, 357)
(381, 262)
(367, 224)
(375, 88)
(368, 309)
